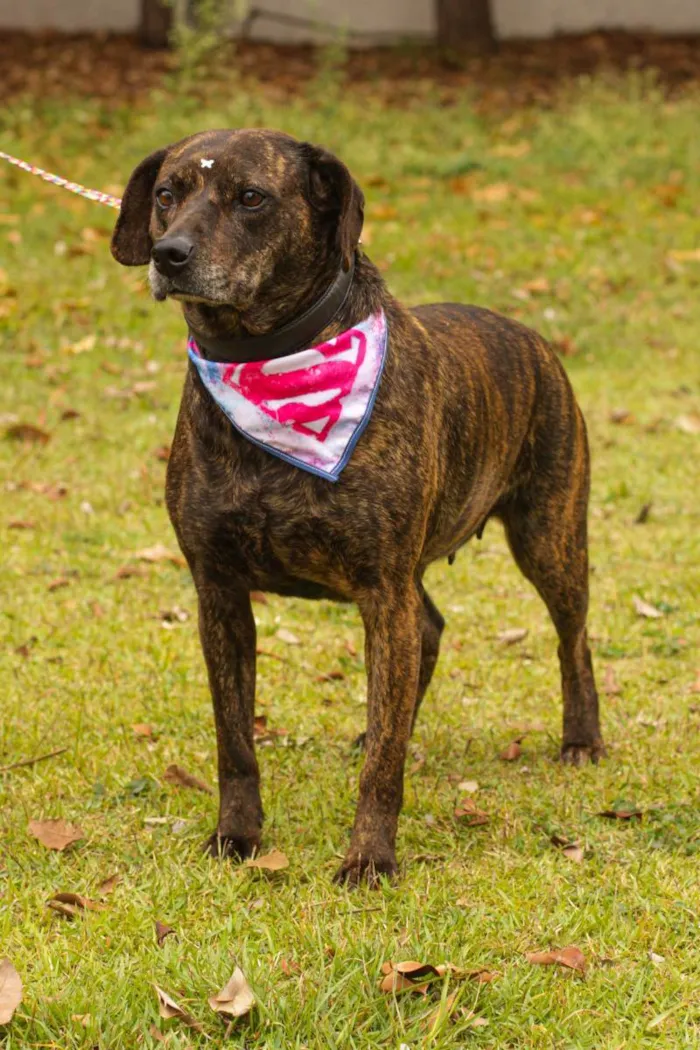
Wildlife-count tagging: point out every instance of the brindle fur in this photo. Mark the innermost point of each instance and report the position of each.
(475, 419)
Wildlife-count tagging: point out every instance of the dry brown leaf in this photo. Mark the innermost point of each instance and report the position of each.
(286, 636)
(496, 193)
(169, 1009)
(689, 424)
(142, 729)
(620, 416)
(127, 571)
(397, 983)
(643, 608)
(61, 581)
(571, 850)
(72, 904)
(236, 997)
(621, 814)
(109, 884)
(289, 967)
(159, 552)
(163, 931)
(468, 812)
(513, 635)
(572, 958)
(178, 776)
(513, 751)
(18, 523)
(258, 596)
(470, 787)
(483, 976)
(444, 1010)
(10, 991)
(55, 834)
(28, 433)
(273, 861)
(330, 676)
(610, 684)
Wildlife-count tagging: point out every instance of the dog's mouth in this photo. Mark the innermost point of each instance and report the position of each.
(189, 297)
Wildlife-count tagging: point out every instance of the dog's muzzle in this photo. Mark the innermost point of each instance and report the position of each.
(172, 255)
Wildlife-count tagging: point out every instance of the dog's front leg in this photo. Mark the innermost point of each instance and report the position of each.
(227, 632)
(392, 650)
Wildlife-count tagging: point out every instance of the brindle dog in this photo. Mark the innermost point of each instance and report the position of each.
(474, 419)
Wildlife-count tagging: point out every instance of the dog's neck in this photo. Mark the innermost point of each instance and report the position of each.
(222, 334)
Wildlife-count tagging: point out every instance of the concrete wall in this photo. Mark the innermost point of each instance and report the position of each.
(379, 19)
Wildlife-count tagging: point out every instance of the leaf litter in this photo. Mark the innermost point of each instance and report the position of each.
(163, 931)
(55, 834)
(178, 776)
(236, 998)
(10, 991)
(73, 904)
(572, 958)
(168, 1009)
(275, 860)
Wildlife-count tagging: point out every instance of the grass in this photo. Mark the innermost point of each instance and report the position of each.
(594, 197)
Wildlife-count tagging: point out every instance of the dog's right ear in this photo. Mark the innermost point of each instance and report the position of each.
(131, 240)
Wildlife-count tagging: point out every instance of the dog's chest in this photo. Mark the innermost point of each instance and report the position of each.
(249, 518)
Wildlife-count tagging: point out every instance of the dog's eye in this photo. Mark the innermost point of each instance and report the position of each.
(252, 198)
(164, 199)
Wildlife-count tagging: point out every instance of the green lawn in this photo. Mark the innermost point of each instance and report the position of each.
(582, 220)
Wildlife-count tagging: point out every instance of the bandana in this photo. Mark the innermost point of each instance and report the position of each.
(309, 408)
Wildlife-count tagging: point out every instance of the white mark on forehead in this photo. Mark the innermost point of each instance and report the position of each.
(205, 162)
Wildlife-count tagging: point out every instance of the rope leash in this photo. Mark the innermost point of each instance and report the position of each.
(56, 180)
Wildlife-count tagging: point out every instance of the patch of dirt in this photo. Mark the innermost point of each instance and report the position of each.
(115, 67)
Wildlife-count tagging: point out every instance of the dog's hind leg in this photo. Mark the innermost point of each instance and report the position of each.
(546, 529)
(432, 628)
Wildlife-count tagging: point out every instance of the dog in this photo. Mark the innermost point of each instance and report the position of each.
(472, 418)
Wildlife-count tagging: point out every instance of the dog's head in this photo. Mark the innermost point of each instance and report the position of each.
(247, 221)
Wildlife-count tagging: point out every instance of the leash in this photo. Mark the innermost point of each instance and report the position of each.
(56, 180)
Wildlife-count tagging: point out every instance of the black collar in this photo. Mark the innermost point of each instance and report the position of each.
(297, 335)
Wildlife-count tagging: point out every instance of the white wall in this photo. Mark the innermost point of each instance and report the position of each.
(380, 19)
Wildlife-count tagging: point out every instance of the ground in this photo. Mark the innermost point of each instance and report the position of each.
(581, 219)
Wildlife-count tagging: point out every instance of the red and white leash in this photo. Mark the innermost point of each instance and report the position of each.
(91, 195)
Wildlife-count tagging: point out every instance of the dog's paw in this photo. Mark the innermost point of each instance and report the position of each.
(236, 847)
(582, 754)
(357, 869)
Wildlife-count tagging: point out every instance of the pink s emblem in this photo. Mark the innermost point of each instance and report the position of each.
(307, 398)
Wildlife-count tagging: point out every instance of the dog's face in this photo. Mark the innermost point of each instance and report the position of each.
(246, 221)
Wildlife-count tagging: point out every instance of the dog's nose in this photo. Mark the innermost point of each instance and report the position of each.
(172, 254)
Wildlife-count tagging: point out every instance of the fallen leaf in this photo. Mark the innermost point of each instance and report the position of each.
(159, 552)
(513, 751)
(643, 515)
(68, 414)
(643, 608)
(55, 834)
(127, 571)
(620, 416)
(273, 861)
(396, 983)
(17, 523)
(286, 636)
(84, 1019)
(610, 685)
(163, 931)
(350, 647)
(512, 635)
(72, 904)
(483, 976)
(331, 676)
(162, 453)
(493, 194)
(61, 581)
(289, 967)
(444, 1010)
(142, 729)
(236, 997)
(10, 991)
(168, 1009)
(28, 433)
(468, 812)
(175, 774)
(624, 813)
(109, 884)
(689, 424)
(258, 596)
(656, 959)
(572, 958)
(686, 255)
(468, 786)
(571, 850)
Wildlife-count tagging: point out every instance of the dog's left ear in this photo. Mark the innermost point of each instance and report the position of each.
(333, 190)
(131, 240)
